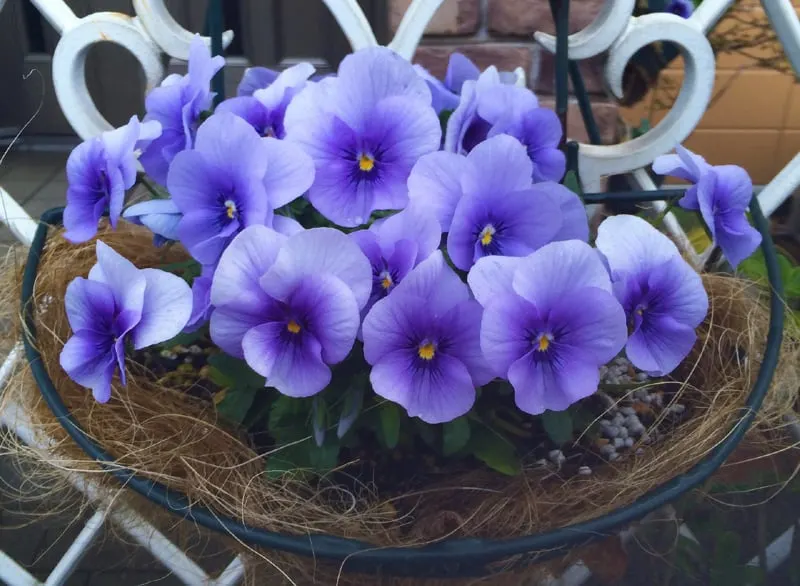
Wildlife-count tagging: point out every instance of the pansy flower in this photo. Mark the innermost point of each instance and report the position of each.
(423, 344)
(682, 8)
(255, 78)
(118, 304)
(290, 306)
(488, 205)
(489, 107)
(99, 172)
(394, 246)
(265, 109)
(177, 104)
(550, 321)
(365, 129)
(663, 297)
(161, 216)
(232, 179)
(201, 299)
(721, 194)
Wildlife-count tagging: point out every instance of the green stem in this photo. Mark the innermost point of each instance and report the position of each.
(656, 222)
(141, 178)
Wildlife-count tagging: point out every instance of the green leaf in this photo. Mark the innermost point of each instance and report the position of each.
(236, 402)
(323, 458)
(236, 369)
(183, 339)
(353, 402)
(558, 426)
(288, 419)
(290, 458)
(390, 424)
(725, 560)
(791, 283)
(444, 117)
(572, 183)
(754, 267)
(455, 435)
(494, 451)
(319, 420)
(427, 432)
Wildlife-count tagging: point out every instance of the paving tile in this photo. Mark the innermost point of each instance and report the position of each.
(20, 537)
(33, 166)
(79, 578)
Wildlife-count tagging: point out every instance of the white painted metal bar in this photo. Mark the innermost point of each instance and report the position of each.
(16, 218)
(69, 562)
(781, 187)
(13, 574)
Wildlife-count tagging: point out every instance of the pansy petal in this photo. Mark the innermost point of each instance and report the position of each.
(733, 187)
(295, 369)
(246, 259)
(463, 324)
(318, 251)
(390, 323)
(736, 237)
(166, 309)
(286, 226)
(126, 282)
(491, 277)
(290, 171)
(435, 394)
(291, 79)
(549, 164)
(226, 141)
(228, 326)
(660, 344)
(414, 224)
(499, 164)
(161, 216)
(680, 291)
(88, 360)
(558, 268)
(459, 70)
(574, 220)
(89, 305)
(435, 184)
(632, 244)
(255, 78)
(435, 282)
(505, 337)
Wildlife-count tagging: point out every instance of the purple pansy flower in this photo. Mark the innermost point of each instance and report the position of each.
(682, 8)
(445, 93)
(721, 194)
(255, 78)
(265, 109)
(99, 171)
(550, 321)
(396, 245)
(116, 304)
(177, 104)
(662, 295)
(201, 299)
(161, 216)
(422, 343)
(488, 205)
(684, 165)
(364, 129)
(489, 107)
(290, 306)
(232, 179)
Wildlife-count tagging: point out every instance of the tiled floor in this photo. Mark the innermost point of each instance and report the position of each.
(37, 180)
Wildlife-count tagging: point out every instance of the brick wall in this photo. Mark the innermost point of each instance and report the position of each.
(500, 32)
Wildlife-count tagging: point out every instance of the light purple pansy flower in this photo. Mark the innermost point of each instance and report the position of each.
(550, 321)
(488, 205)
(721, 194)
(161, 216)
(290, 306)
(489, 107)
(177, 104)
(255, 78)
(423, 344)
(201, 299)
(684, 165)
(394, 246)
(265, 109)
(364, 129)
(116, 304)
(445, 93)
(99, 172)
(663, 297)
(232, 179)
(682, 8)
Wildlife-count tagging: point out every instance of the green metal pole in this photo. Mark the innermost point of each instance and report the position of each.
(214, 24)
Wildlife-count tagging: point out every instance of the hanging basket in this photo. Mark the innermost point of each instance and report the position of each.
(462, 545)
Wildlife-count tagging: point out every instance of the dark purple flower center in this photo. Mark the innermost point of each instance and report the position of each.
(384, 279)
(476, 133)
(488, 238)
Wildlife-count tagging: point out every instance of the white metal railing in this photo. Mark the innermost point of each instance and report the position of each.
(153, 30)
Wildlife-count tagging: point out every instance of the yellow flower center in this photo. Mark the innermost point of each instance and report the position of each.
(293, 327)
(386, 280)
(366, 163)
(230, 209)
(487, 234)
(426, 351)
(543, 343)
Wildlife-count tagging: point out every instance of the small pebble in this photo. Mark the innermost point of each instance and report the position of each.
(613, 457)
(623, 432)
(628, 442)
(604, 423)
(631, 420)
(557, 457)
(637, 429)
(585, 471)
(642, 376)
(541, 463)
(647, 399)
(627, 411)
(619, 442)
(195, 349)
(611, 431)
(607, 450)
(646, 439)
(639, 451)
(618, 419)
(677, 408)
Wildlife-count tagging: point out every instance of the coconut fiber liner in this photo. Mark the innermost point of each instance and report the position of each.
(174, 438)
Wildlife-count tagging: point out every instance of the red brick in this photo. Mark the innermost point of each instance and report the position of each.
(592, 70)
(605, 114)
(525, 17)
(504, 56)
(454, 17)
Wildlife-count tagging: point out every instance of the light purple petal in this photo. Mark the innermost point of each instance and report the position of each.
(289, 173)
(684, 165)
(574, 220)
(329, 310)
(166, 309)
(391, 323)
(462, 118)
(631, 244)
(506, 331)
(541, 385)
(549, 164)
(228, 326)
(736, 237)
(435, 184)
(464, 325)
(118, 143)
(248, 258)
(201, 300)
(202, 66)
(435, 282)
(127, 283)
(89, 304)
(295, 369)
(491, 277)
(291, 79)
(255, 78)
(88, 359)
(161, 216)
(500, 165)
(435, 395)
(226, 141)
(414, 224)
(679, 291)
(315, 252)
(660, 344)
(250, 110)
(498, 101)
(459, 70)
(286, 226)
(557, 269)
(733, 188)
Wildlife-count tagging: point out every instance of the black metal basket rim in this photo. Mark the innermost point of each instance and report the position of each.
(473, 553)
